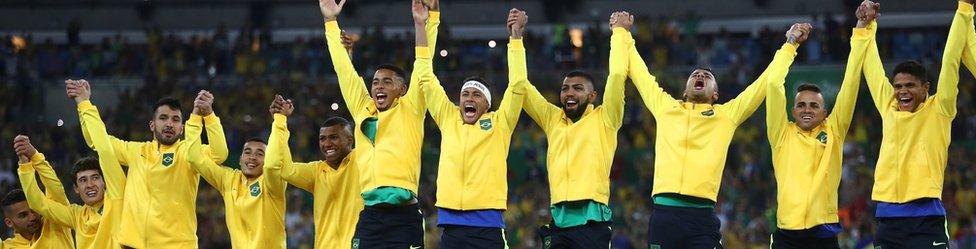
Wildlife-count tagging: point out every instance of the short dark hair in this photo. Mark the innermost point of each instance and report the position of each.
(333, 121)
(700, 67)
(399, 72)
(85, 163)
(808, 87)
(170, 102)
(581, 74)
(13, 197)
(479, 79)
(913, 68)
(256, 139)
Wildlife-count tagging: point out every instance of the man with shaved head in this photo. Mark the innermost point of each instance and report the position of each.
(808, 152)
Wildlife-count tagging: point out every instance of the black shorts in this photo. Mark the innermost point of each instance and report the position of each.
(682, 227)
(455, 236)
(590, 236)
(801, 239)
(911, 232)
(390, 227)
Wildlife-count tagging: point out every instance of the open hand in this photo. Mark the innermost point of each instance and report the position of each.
(330, 10)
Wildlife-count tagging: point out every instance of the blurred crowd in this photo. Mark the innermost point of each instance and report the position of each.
(246, 71)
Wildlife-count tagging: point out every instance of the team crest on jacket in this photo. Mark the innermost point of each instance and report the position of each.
(708, 113)
(168, 158)
(485, 124)
(256, 189)
(822, 137)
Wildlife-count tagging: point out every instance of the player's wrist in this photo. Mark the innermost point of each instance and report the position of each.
(37, 157)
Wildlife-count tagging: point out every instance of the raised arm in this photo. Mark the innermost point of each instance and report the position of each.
(438, 104)
(959, 34)
(54, 190)
(60, 213)
(351, 85)
(843, 110)
(776, 110)
(279, 136)
(539, 109)
(620, 43)
(742, 106)
(216, 147)
(218, 176)
(878, 84)
(422, 66)
(433, 22)
(28, 155)
(299, 175)
(80, 92)
(654, 97)
(101, 142)
(510, 107)
(968, 58)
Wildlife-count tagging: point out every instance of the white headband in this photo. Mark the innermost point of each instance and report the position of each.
(480, 87)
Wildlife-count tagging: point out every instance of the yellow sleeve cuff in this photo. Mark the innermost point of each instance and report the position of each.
(423, 52)
(861, 33)
(965, 8)
(331, 26)
(280, 118)
(790, 47)
(85, 105)
(211, 119)
(434, 16)
(37, 158)
(515, 43)
(195, 119)
(34, 159)
(620, 30)
(25, 168)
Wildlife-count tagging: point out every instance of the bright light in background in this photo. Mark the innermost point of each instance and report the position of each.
(491, 44)
(576, 36)
(60, 122)
(443, 52)
(18, 42)
(335, 106)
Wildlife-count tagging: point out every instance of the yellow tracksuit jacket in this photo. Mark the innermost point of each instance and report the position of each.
(393, 158)
(335, 192)
(693, 139)
(54, 234)
(807, 164)
(254, 208)
(580, 153)
(914, 146)
(94, 226)
(474, 158)
(159, 209)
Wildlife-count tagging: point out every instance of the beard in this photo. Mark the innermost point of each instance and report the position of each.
(578, 112)
(163, 140)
